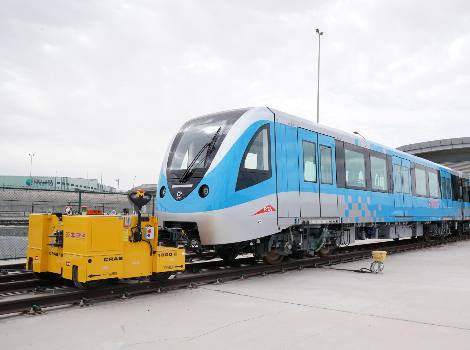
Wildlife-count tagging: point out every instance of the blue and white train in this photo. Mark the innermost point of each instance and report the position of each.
(264, 181)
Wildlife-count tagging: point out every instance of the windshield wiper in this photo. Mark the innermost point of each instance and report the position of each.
(210, 148)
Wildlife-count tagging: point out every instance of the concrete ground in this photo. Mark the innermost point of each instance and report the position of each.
(421, 301)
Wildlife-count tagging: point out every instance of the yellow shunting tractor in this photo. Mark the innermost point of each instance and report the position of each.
(91, 248)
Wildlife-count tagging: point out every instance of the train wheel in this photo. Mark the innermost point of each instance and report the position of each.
(273, 258)
(427, 236)
(76, 283)
(325, 251)
(46, 276)
(84, 285)
(228, 253)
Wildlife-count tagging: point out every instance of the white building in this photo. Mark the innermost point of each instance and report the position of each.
(54, 183)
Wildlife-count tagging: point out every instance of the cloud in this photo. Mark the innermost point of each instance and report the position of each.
(103, 86)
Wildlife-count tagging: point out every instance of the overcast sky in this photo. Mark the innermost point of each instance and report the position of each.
(101, 87)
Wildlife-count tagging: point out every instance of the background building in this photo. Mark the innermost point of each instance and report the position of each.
(453, 153)
(54, 183)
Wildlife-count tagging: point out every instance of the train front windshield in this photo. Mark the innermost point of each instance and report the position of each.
(199, 139)
(194, 139)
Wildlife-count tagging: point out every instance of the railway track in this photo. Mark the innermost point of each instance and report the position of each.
(19, 266)
(22, 280)
(197, 273)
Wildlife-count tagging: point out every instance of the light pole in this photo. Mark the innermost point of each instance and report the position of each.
(31, 156)
(358, 133)
(318, 76)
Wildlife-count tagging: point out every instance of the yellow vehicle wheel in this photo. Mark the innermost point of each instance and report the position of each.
(159, 277)
(84, 285)
(46, 276)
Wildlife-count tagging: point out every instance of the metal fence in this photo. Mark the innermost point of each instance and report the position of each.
(17, 204)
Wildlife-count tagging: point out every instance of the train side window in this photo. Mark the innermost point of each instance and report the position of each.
(397, 180)
(433, 184)
(255, 166)
(455, 187)
(355, 169)
(420, 175)
(340, 172)
(449, 188)
(326, 168)
(445, 188)
(378, 169)
(310, 161)
(406, 180)
(466, 190)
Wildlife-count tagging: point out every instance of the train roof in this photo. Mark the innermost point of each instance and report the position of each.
(353, 139)
(338, 134)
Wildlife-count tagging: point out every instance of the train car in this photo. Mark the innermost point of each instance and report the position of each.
(263, 181)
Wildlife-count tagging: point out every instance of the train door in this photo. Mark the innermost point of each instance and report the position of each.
(308, 174)
(406, 187)
(397, 187)
(287, 169)
(327, 177)
(446, 194)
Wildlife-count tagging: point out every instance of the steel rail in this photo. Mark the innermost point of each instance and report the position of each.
(22, 266)
(84, 297)
(26, 280)
(17, 276)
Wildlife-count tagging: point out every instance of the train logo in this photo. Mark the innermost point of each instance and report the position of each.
(267, 209)
(78, 235)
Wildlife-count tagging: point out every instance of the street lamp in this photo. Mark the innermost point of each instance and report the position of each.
(318, 76)
(358, 133)
(31, 156)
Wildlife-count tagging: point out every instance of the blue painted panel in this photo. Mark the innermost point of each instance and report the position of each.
(309, 194)
(407, 197)
(222, 181)
(366, 206)
(307, 186)
(292, 162)
(397, 188)
(287, 171)
(329, 201)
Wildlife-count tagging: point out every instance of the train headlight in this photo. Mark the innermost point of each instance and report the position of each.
(203, 191)
(162, 191)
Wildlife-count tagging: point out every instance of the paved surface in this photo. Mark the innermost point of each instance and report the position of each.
(421, 301)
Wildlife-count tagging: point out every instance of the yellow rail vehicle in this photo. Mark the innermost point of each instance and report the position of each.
(88, 248)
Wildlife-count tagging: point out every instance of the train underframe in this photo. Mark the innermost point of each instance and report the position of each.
(309, 239)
